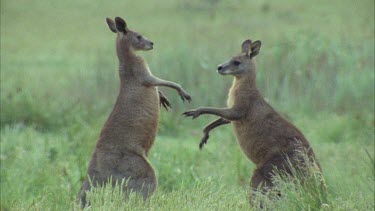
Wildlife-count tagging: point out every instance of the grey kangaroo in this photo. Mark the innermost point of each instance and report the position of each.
(129, 132)
(266, 137)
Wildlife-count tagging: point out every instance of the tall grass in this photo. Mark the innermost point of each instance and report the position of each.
(44, 170)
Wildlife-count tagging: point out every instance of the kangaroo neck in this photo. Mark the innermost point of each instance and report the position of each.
(245, 83)
(244, 92)
(127, 60)
(126, 55)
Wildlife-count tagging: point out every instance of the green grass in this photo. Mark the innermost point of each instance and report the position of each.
(59, 82)
(45, 169)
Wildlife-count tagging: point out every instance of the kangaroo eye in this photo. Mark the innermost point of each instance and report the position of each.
(236, 63)
(139, 37)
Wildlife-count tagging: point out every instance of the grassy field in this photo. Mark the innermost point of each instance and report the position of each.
(59, 82)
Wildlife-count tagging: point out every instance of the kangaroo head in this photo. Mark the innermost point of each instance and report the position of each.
(127, 37)
(244, 63)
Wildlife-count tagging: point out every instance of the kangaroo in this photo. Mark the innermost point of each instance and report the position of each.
(266, 138)
(129, 132)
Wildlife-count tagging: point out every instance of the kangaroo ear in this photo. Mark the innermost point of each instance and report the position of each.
(120, 25)
(111, 25)
(246, 46)
(255, 48)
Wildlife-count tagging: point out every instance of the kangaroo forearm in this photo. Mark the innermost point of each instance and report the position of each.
(226, 113)
(151, 80)
(169, 84)
(210, 127)
(214, 124)
(154, 81)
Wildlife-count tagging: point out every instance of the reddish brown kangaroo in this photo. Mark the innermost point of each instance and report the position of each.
(129, 133)
(265, 137)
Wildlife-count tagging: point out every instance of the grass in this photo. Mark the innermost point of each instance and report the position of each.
(49, 168)
(59, 82)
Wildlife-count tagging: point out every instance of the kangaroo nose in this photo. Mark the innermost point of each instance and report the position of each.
(219, 68)
(152, 43)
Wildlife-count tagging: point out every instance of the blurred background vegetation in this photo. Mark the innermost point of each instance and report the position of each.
(59, 81)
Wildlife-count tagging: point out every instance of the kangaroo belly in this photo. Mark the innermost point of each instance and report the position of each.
(142, 116)
(257, 147)
(133, 123)
(244, 138)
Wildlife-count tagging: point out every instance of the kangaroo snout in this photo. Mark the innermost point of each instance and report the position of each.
(149, 45)
(222, 70)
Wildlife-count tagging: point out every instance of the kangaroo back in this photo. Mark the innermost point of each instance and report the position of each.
(130, 130)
